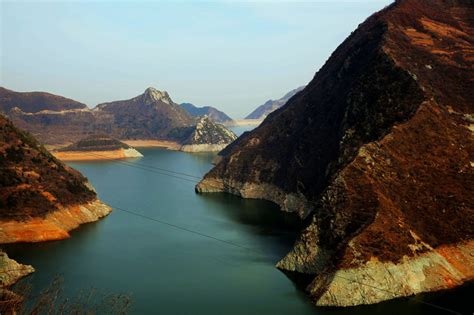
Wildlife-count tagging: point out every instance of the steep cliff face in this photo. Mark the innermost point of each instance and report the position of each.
(208, 136)
(378, 149)
(40, 197)
(270, 106)
(213, 113)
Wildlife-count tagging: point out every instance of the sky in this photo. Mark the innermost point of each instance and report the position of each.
(227, 54)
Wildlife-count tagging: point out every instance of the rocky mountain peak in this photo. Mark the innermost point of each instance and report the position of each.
(203, 121)
(152, 95)
(207, 131)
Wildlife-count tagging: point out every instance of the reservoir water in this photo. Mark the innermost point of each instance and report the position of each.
(169, 270)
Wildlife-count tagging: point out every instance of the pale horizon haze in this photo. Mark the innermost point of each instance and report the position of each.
(230, 55)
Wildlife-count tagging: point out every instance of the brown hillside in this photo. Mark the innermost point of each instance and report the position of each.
(32, 182)
(379, 148)
(33, 102)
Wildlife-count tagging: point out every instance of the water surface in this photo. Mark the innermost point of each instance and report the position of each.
(172, 271)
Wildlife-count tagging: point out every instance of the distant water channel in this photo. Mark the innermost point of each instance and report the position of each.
(171, 271)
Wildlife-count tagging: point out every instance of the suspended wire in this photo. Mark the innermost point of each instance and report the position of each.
(170, 173)
(266, 256)
(149, 168)
(145, 168)
(183, 228)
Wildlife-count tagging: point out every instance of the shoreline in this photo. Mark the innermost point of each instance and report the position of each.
(166, 144)
(201, 148)
(54, 226)
(243, 122)
(96, 155)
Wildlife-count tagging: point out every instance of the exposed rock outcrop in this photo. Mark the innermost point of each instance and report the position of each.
(54, 225)
(11, 271)
(377, 150)
(208, 136)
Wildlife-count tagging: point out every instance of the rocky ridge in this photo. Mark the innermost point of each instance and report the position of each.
(376, 152)
(208, 136)
(11, 271)
(150, 115)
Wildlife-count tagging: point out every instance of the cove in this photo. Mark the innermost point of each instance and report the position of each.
(171, 271)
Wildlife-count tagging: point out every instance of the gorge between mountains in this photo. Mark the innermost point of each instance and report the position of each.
(355, 195)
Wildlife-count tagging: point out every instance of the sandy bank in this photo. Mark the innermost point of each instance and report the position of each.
(243, 122)
(194, 148)
(54, 226)
(96, 155)
(170, 145)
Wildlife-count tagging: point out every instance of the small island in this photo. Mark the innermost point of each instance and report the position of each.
(96, 147)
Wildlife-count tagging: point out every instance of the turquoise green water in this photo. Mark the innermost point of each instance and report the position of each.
(171, 271)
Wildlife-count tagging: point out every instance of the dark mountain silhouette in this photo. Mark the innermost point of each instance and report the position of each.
(377, 153)
(211, 112)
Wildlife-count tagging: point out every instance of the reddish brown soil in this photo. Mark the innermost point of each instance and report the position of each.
(380, 139)
(33, 182)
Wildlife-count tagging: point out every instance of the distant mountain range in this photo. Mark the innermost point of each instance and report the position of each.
(211, 112)
(262, 111)
(57, 120)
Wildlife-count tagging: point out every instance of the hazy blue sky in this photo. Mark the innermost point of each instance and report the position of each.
(232, 55)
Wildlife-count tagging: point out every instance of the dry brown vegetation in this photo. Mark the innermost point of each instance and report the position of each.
(32, 181)
(51, 300)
